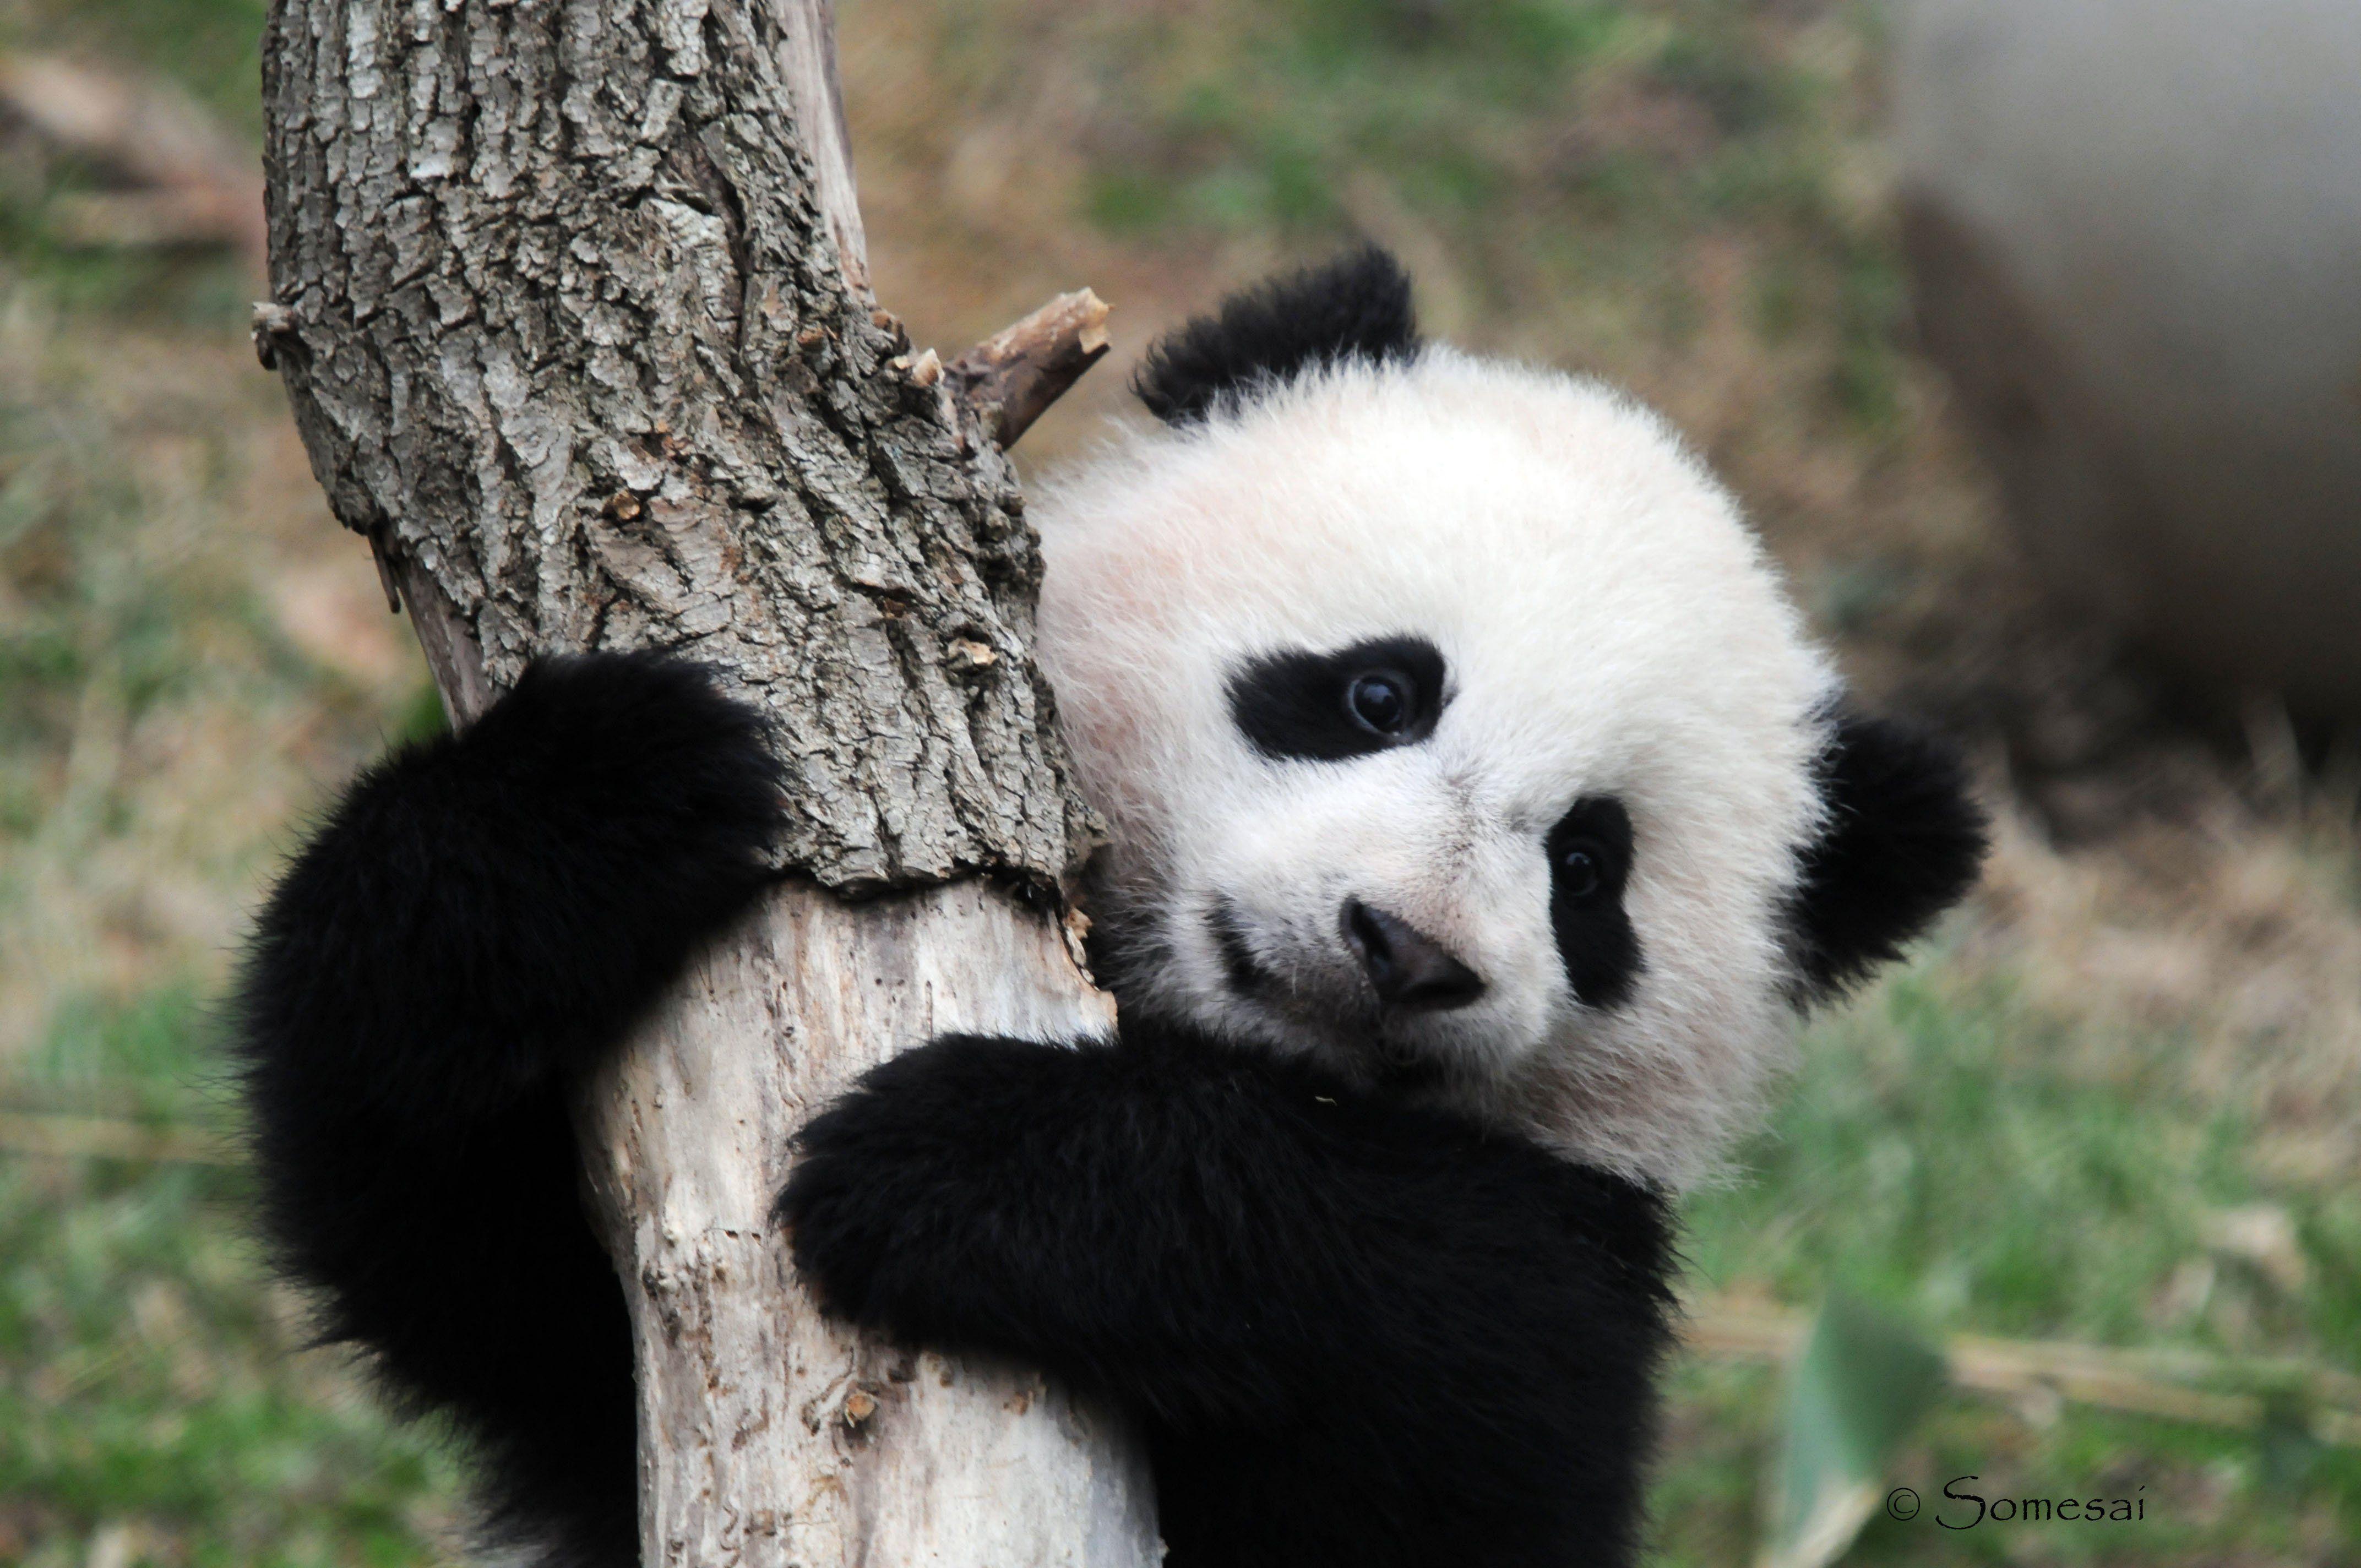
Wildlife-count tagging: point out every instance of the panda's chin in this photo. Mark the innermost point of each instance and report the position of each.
(1400, 1071)
(1393, 1055)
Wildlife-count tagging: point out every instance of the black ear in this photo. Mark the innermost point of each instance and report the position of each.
(1356, 306)
(1902, 843)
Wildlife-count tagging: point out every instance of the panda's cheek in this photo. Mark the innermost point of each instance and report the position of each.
(1284, 844)
(1490, 889)
(1534, 990)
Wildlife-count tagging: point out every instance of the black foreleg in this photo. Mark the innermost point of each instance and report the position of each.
(480, 914)
(1359, 1335)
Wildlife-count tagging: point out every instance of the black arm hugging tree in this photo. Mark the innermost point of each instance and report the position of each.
(1359, 1334)
(1356, 1332)
(482, 914)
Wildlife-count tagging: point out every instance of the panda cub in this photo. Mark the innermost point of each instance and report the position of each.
(1480, 814)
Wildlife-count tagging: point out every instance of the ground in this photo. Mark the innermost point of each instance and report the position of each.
(2116, 1101)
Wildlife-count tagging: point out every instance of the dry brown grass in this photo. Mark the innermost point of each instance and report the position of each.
(212, 653)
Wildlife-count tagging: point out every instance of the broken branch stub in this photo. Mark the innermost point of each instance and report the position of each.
(1012, 377)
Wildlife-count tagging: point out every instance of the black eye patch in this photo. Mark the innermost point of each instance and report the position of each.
(1328, 707)
(1590, 858)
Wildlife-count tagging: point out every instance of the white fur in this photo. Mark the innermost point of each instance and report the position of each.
(1611, 628)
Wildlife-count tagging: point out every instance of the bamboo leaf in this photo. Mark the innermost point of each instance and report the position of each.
(1858, 1390)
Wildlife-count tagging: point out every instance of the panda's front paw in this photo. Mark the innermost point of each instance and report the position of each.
(638, 762)
(915, 1192)
(854, 1208)
(838, 1234)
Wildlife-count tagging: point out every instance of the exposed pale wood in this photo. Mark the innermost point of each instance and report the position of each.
(891, 1458)
(570, 300)
(808, 61)
(1013, 377)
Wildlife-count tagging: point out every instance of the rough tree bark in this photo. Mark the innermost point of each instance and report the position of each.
(570, 303)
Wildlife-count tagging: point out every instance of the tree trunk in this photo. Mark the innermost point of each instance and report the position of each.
(571, 307)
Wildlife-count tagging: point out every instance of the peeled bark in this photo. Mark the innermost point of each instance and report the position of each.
(570, 305)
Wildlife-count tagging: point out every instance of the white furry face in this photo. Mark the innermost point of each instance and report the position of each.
(1609, 640)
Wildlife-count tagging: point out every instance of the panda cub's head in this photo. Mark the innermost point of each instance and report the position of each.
(1454, 730)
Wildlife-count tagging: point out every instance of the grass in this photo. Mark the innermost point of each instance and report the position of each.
(186, 650)
(1567, 149)
(1933, 1157)
(2118, 1104)
(157, 1404)
(212, 48)
(1928, 1151)
(1939, 1154)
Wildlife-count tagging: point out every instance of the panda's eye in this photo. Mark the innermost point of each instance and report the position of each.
(1591, 852)
(1581, 871)
(1382, 702)
(1377, 696)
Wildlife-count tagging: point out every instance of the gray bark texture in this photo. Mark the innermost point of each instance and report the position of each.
(570, 302)
(570, 338)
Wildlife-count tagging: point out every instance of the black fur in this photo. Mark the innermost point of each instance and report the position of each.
(481, 914)
(1294, 704)
(1355, 1333)
(1903, 841)
(1358, 1336)
(1594, 938)
(1356, 306)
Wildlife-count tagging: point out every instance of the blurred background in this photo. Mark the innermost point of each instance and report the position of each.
(2028, 330)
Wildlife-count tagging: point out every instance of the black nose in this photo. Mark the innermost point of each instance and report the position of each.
(1408, 968)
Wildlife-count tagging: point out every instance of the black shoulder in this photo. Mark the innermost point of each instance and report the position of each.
(1356, 306)
(1902, 842)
